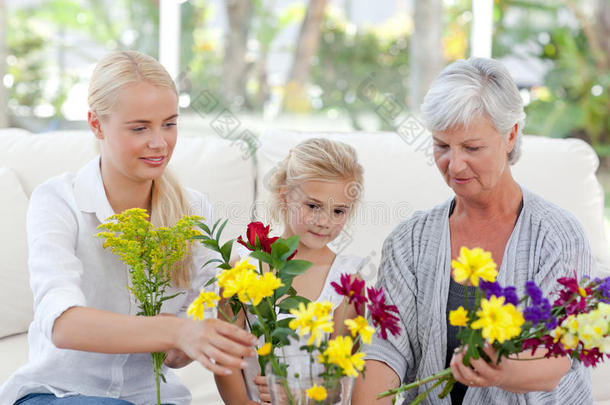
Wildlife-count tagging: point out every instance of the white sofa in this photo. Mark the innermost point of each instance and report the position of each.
(400, 178)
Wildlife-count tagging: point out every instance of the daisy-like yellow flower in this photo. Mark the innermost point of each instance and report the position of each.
(313, 319)
(264, 349)
(263, 287)
(459, 317)
(474, 264)
(339, 352)
(205, 300)
(498, 321)
(359, 325)
(234, 281)
(317, 393)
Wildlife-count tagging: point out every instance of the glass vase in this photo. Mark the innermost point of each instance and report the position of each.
(301, 375)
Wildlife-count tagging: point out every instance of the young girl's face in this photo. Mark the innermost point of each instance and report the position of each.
(317, 211)
(138, 137)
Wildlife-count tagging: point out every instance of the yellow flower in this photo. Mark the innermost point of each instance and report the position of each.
(557, 333)
(359, 325)
(474, 264)
(339, 352)
(263, 287)
(234, 281)
(313, 319)
(569, 340)
(458, 317)
(317, 393)
(204, 300)
(498, 321)
(264, 349)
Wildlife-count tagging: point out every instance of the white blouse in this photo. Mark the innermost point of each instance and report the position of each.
(69, 267)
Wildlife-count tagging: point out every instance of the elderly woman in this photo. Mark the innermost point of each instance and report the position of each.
(475, 114)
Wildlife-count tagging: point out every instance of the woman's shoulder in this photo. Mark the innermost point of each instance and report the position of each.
(422, 225)
(198, 204)
(549, 218)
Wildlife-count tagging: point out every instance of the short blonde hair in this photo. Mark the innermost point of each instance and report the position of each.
(316, 159)
(111, 74)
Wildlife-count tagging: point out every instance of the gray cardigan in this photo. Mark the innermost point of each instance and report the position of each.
(547, 242)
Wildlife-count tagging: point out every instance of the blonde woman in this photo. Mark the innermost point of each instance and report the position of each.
(86, 344)
(315, 192)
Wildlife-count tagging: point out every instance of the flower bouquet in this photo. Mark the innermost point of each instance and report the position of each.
(151, 254)
(318, 376)
(577, 324)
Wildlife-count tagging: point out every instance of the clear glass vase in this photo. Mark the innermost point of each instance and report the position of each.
(302, 375)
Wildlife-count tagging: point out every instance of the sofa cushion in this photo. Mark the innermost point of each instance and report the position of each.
(401, 177)
(216, 167)
(15, 294)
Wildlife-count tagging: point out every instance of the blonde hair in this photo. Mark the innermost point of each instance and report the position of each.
(111, 74)
(316, 159)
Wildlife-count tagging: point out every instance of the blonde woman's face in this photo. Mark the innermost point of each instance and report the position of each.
(138, 137)
(317, 212)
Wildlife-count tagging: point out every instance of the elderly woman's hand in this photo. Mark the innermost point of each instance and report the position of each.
(482, 373)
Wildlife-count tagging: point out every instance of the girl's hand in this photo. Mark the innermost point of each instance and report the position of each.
(216, 344)
(482, 373)
(175, 358)
(263, 390)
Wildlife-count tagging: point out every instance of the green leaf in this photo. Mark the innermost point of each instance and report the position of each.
(292, 302)
(212, 261)
(221, 229)
(294, 267)
(169, 297)
(262, 256)
(204, 227)
(283, 323)
(210, 281)
(225, 250)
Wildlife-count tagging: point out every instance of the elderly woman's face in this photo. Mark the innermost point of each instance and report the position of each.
(474, 159)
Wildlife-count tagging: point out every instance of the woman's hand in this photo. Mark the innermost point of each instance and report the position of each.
(481, 374)
(216, 344)
(263, 389)
(525, 373)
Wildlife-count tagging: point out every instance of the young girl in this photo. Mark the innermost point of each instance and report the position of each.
(315, 192)
(86, 344)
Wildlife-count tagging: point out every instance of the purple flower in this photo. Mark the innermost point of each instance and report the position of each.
(604, 289)
(534, 292)
(490, 288)
(493, 288)
(510, 295)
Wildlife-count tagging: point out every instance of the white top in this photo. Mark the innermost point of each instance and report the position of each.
(342, 264)
(69, 267)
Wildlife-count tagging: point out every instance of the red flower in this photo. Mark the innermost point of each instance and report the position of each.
(573, 296)
(380, 312)
(258, 238)
(351, 289)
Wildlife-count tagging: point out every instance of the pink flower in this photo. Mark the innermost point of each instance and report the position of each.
(352, 289)
(380, 312)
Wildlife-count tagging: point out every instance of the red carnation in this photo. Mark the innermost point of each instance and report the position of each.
(352, 289)
(380, 312)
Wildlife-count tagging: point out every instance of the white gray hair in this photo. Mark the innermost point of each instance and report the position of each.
(469, 89)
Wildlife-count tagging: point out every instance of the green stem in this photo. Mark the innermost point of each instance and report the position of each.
(441, 375)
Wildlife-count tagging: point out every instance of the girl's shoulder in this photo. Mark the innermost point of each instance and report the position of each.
(350, 264)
